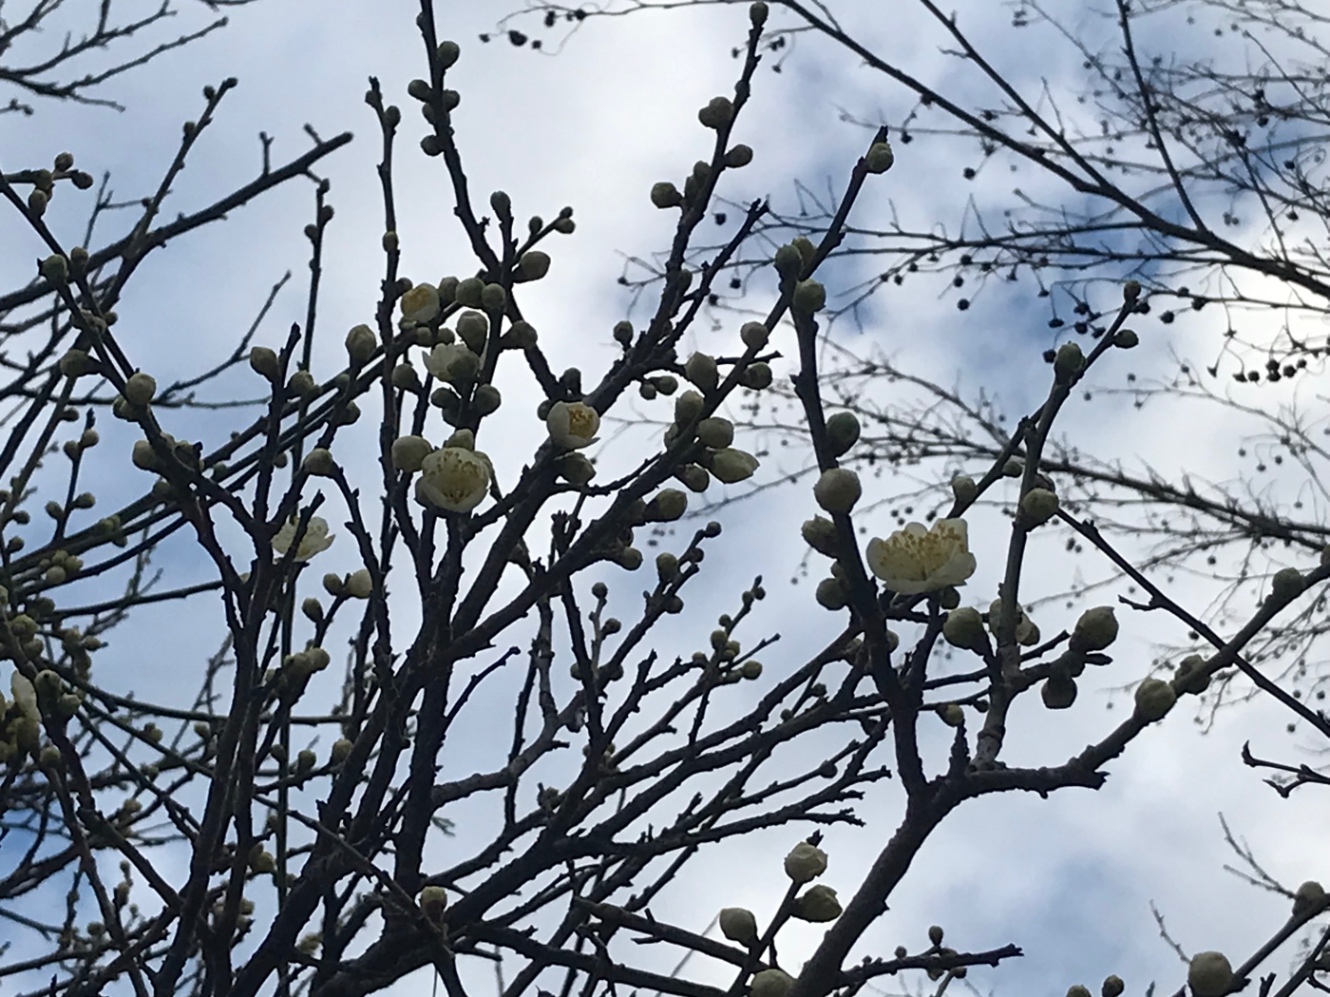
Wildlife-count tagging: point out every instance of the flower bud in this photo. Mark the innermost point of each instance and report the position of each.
(754, 335)
(301, 383)
(341, 748)
(668, 505)
(809, 297)
(756, 376)
(830, 594)
(1131, 291)
(817, 904)
(1038, 506)
(1126, 339)
(842, 432)
(433, 901)
(1112, 987)
(1013, 468)
(1287, 584)
(718, 113)
(757, 13)
(695, 479)
(76, 363)
(55, 268)
(805, 863)
(319, 463)
(1154, 698)
(263, 361)
(738, 156)
(420, 305)
(820, 534)
(448, 53)
(879, 158)
(952, 715)
(409, 452)
(715, 432)
(1059, 691)
(1096, 629)
(359, 584)
(770, 983)
(787, 261)
(575, 468)
(837, 490)
(964, 489)
(140, 389)
(731, 466)
(687, 407)
(1068, 362)
(1209, 974)
(702, 371)
(1309, 896)
(493, 298)
(143, 456)
(1191, 676)
(361, 343)
(964, 628)
(665, 195)
(738, 925)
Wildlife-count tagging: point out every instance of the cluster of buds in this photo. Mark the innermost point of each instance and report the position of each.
(59, 566)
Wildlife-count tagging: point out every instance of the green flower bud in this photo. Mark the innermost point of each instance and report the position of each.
(702, 371)
(468, 292)
(575, 468)
(731, 466)
(820, 534)
(667, 506)
(1077, 990)
(1191, 676)
(1112, 987)
(687, 407)
(738, 925)
(1126, 339)
(754, 335)
(751, 670)
(263, 361)
(1154, 698)
(770, 983)
(718, 113)
(805, 863)
(472, 329)
(1059, 691)
(757, 13)
(837, 490)
(341, 748)
(879, 158)
(738, 156)
(1096, 629)
(1013, 468)
(830, 594)
(842, 432)
(1131, 291)
(806, 248)
(534, 264)
(715, 432)
(409, 452)
(809, 297)
(486, 399)
(964, 628)
(1209, 974)
(143, 456)
(319, 463)
(1068, 362)
(361, 344)
(788, 262)
(630, 559)
(756, 376)
(665, 195)
(55, 268)
(1309, 896)
(817, 904)
(1038, 506)
(140, 389)
(964, 489)
(667, 566)
(301, 383)
(1287, 584)
(493, 298)
(695, 479)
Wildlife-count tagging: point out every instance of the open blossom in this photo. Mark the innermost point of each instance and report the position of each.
(572, 424)
(454, 479)
(452, 362)
(916, 559)
(420, 304)
(316, 538)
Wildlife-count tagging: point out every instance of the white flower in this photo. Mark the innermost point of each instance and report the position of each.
(453, 479)
(452, 362)
(916, 559)
(359, 584)
(420, 304)
(316, 538)
(572, 424)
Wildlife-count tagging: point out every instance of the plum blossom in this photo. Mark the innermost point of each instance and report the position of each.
(572, 424)
(454, 479)
(316, 538)
(917, 559)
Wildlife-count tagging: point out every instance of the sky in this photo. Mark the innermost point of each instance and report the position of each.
(592, 121)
